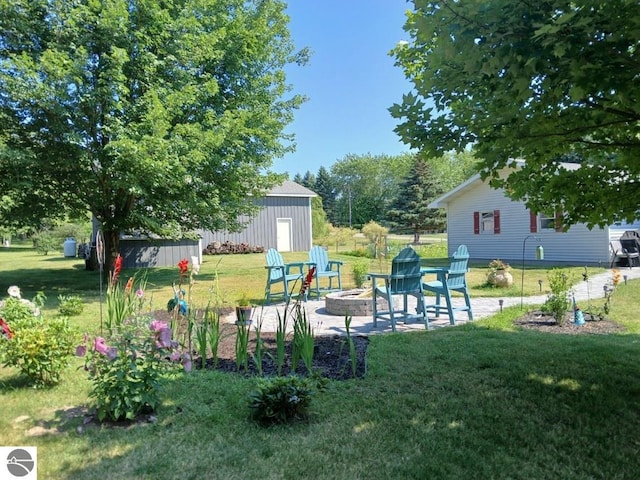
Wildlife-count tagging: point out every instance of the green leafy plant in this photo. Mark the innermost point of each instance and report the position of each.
(213, 331)
(360, 269)
(281, 333)
(258, 354)
(352, 347)
(45, 242)
(283, 399)
(497, 264)
(123, 301)
(244, 300)
(557, 304)
(41, 349)
(70, 306)
(242, 345)
(202, 337)
(303, 340)
(127, 369)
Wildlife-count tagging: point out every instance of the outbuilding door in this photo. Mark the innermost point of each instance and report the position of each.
(283, 234)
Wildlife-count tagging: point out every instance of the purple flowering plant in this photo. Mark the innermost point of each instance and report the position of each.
(128, 367)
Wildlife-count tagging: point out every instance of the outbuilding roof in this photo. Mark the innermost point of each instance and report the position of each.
(290, 189)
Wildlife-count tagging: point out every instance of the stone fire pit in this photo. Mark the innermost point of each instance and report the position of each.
(349, 301)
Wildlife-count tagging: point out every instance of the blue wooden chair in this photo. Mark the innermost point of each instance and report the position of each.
(279, 272)
(406, 280)
(325, 268)
(453, 280)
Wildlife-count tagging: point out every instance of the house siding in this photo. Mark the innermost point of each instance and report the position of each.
(262, 230)
(286, 201)
(579, 245)
(143, 253)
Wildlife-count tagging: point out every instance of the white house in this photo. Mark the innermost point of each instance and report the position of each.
(494, 226)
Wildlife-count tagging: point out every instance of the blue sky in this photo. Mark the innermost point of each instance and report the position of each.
(350, 81)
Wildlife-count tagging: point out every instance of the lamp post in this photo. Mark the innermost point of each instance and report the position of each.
(539, 256)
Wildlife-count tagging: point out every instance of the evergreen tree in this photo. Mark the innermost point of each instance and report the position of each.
(326, 189)
(410, 212)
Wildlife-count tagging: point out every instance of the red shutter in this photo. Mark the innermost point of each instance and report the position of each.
(476, 223)
(558, 220)
(496, 221)
(533, 222)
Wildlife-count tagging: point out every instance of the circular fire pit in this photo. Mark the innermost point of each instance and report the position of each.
(350, 301)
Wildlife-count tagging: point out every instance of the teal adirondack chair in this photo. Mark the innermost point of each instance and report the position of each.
(454, 281)
(325, 268)
(406, 280)
(280, 273)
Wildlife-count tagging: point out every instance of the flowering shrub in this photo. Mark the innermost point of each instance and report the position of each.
(498, 264)
(127, 369)
(40, 348)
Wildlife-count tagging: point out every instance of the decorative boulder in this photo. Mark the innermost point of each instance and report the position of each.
(500, 278)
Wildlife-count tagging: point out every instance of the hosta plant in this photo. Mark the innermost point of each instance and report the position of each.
(284, 399)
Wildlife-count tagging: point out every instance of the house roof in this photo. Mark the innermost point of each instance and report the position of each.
(290, 189)
(443, 200)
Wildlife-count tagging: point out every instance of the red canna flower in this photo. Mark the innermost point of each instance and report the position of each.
(117, 266)
(183, 265)
(307, 280)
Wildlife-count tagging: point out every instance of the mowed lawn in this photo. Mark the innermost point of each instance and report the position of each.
(483, 400)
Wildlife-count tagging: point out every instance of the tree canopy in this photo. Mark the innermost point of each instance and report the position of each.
(365, 186)
(533, 80)
(159, 117)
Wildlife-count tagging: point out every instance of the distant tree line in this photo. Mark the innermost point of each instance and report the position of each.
(394, 191)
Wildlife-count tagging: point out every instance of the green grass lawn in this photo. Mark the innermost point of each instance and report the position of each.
(483, 400)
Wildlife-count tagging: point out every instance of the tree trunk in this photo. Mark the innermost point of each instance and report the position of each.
(416, 237)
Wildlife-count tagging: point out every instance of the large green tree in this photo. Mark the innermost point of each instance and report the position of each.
(410, 212)
(536, 80)
(366, 185)
(157, 116)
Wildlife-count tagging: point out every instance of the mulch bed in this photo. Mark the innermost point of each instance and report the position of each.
(332, 358)
(543, 322)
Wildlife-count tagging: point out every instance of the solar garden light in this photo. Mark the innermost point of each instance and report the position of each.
(540, 285)
(501, 303)
(625, 278)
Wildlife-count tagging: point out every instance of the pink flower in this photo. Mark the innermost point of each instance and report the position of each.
(112, 353)
(5, 329)
(99, 346)
(158, 325)
(81, 351)
(186, 362)
(139, 293)
(164, 338)
(175, 356)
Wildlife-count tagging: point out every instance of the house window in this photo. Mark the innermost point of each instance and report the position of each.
(550, 222)
(547, 222)
(486, 223)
